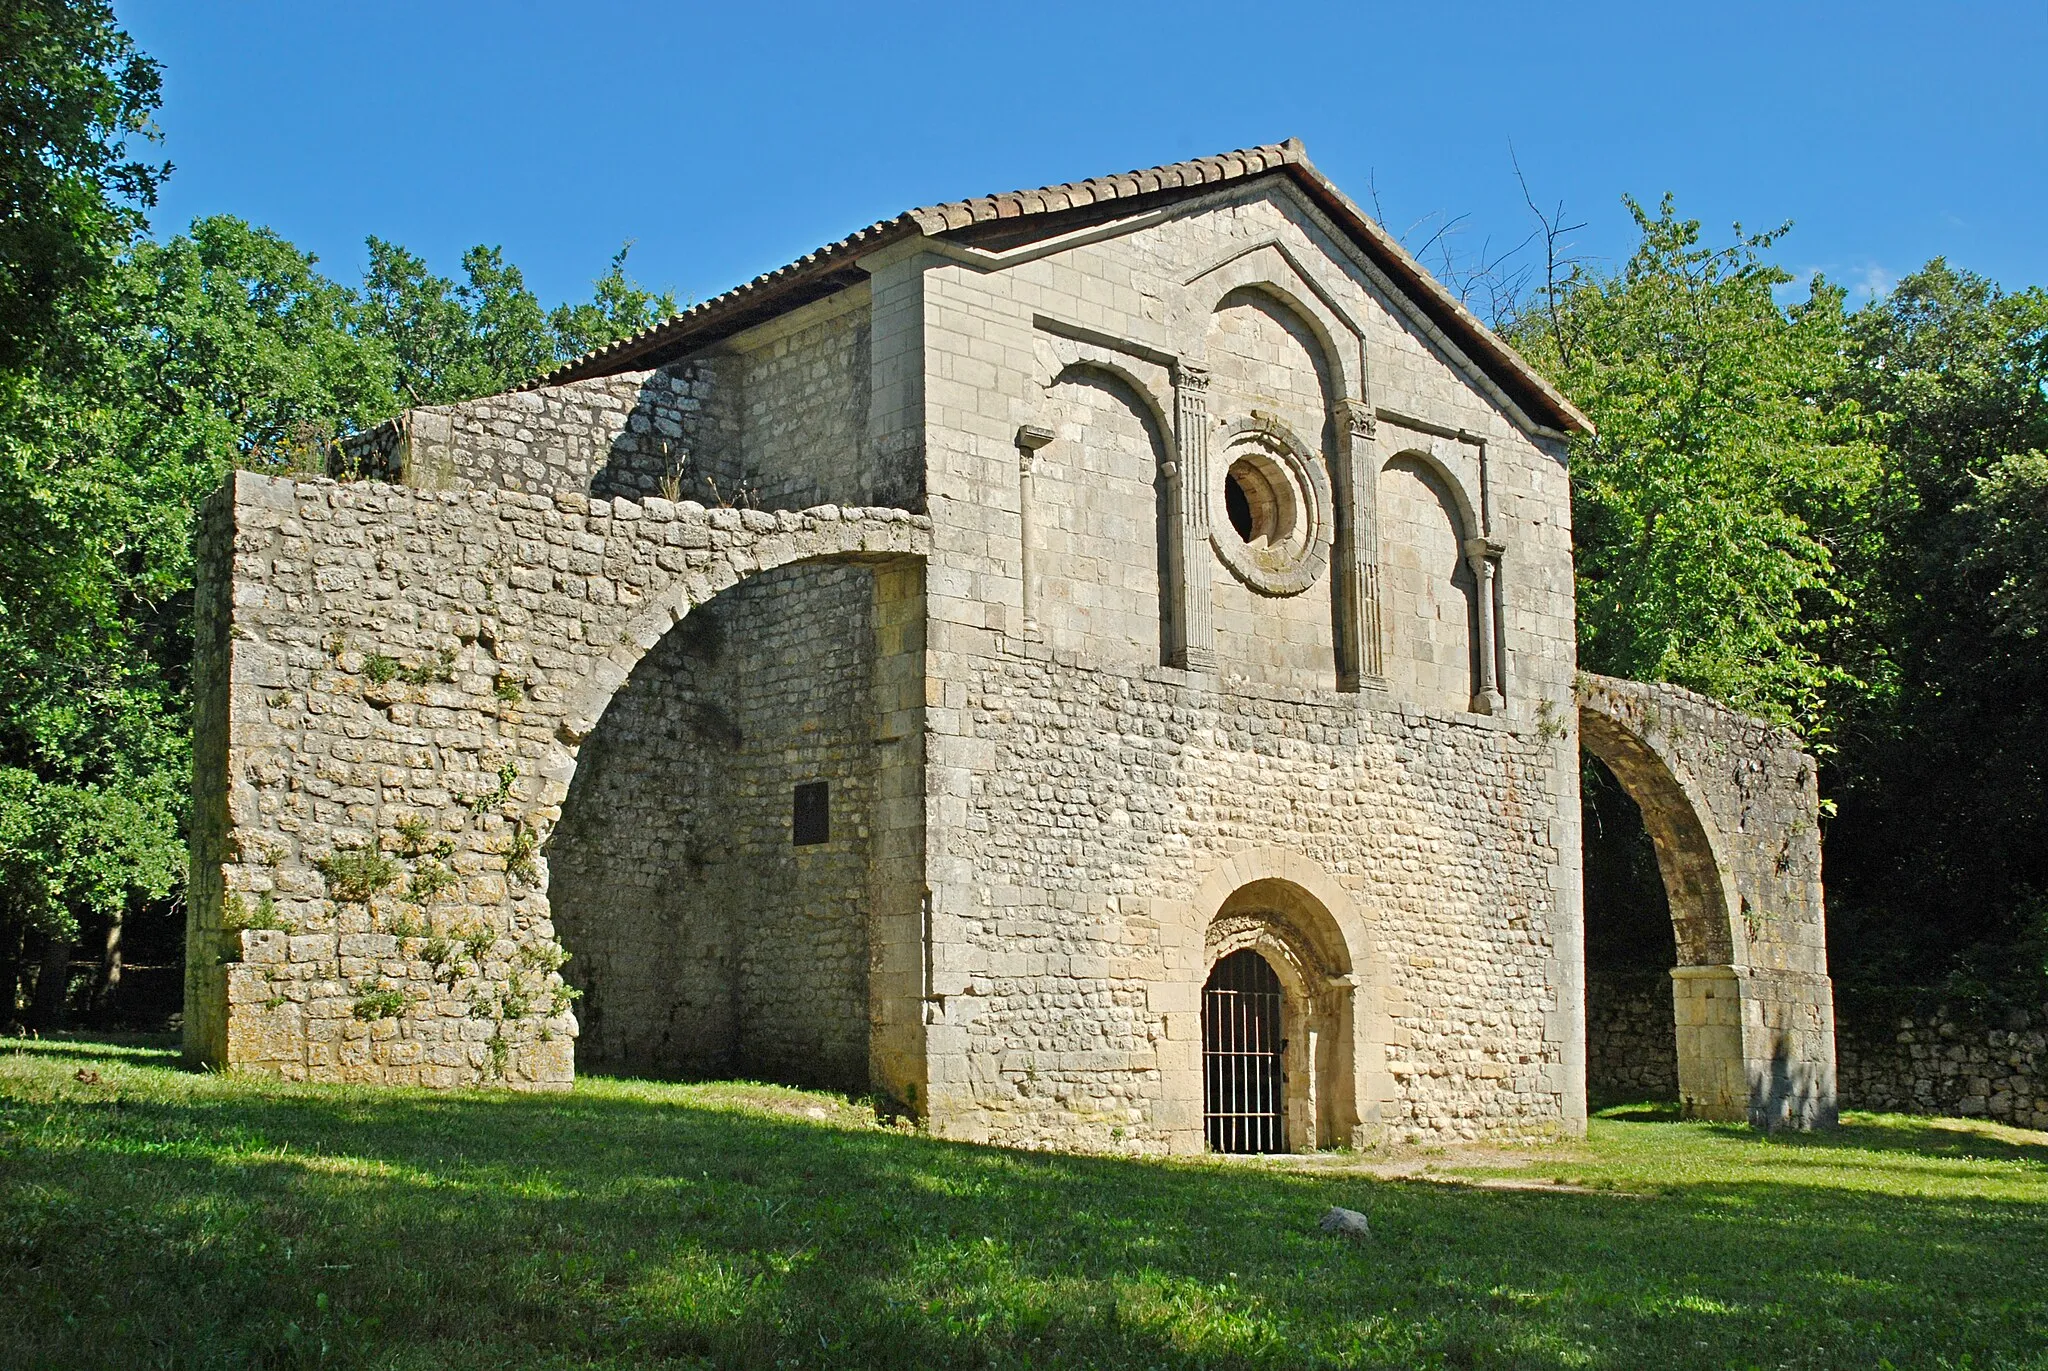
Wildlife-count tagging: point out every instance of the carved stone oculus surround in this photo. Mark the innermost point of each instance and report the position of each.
(1270, 514)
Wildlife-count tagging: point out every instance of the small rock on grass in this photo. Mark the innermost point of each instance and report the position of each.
(1348, 1223)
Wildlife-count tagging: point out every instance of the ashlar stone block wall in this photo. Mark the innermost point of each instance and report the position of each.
(1120, 795)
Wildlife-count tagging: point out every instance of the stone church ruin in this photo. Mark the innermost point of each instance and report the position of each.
(1094, 665)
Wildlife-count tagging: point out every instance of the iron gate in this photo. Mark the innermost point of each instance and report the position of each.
(1241, 1043)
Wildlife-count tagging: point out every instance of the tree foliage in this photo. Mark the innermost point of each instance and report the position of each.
(1839, 520)
(453, 342)
(1726, 469)
(1938, 864)
(73, 92)
(133, 375)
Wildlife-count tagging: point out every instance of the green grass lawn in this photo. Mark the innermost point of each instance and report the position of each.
(154, 1218)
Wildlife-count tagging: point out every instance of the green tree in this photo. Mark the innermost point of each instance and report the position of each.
(73, 93)
(133, 376)
(618, 308)
(89, 752)
(489, 333)
(232, 349)
(223, 347)
(213, 350)
(1938, 870)
(1726, 471)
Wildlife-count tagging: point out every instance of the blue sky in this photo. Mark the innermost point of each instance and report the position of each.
(727, 139)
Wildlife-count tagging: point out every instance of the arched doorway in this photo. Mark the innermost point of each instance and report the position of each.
(1244, 1038)
(1277, 1023)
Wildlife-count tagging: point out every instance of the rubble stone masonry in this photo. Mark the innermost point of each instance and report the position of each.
(393, 690)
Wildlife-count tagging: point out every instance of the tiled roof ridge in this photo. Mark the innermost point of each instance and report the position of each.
(1487, 349)
(1199, 171)
(937, 219)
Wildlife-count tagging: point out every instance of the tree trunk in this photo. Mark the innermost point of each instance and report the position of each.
(53, 985)
(10, 975)
(110, 964)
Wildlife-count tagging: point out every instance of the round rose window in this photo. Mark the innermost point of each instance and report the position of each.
(1271, 529)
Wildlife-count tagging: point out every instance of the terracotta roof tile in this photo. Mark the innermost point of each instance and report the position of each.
(756, 299)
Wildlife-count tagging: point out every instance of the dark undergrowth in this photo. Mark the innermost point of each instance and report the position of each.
(154, 1218)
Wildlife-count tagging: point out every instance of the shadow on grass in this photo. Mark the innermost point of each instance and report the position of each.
(1937, 1138)
(1640, 1111)
(173, 1220)
(133, 1049)
(1929, 1137)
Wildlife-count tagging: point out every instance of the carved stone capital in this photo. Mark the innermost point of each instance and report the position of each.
(1191, 376)
(1355, 417)
(1030, 438)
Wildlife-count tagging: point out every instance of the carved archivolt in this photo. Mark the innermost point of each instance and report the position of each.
(1292, 955)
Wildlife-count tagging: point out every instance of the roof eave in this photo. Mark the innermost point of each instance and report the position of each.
(757, 301)
(1538, 396)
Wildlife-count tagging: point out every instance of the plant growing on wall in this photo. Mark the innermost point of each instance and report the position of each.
(378, 1001)
(357, 875)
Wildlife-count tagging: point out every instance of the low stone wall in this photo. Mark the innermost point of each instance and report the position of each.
(1945, 1063)
(1631, 1038)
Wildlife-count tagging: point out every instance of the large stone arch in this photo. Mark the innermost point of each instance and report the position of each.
(1732, 805)
(392, 677)
(708, 935)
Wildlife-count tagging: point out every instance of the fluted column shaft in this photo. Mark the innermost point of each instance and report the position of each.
(1191, 640)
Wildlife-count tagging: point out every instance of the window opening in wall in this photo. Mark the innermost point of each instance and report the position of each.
(1243, 1089)
(1257, 502)
(812, 821)
(1238, 506)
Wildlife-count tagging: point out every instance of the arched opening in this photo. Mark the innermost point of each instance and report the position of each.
(1277, 1024)
(1631, 1039)
(1706, 1011)
(1244, 1035)
(709, 873)
(1431, 603)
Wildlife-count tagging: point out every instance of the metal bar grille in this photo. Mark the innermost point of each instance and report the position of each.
(1241, 1099)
